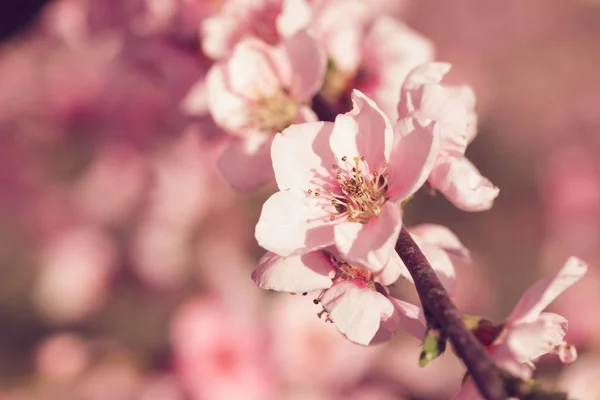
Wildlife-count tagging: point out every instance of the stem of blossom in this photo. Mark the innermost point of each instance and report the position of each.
(436, 301)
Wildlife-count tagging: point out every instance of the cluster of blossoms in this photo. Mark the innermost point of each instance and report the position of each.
(350, 124)
(129, 114)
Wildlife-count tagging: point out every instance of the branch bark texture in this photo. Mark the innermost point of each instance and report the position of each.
(436, 301)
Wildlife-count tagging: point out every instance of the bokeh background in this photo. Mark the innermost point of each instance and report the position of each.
(125, 258)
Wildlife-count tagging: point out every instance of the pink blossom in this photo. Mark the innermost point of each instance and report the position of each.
(76, 268)
(256, 93)
(358, 47)
(67, 20)
(238, 20)
(113, 185)
(340, 37)
(342, 184)
(218, 354)
(354, 298)
(72, 351)
(385, 63)
(453, 109)
(529, 333)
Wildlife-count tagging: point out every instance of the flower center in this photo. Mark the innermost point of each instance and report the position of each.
(275, 113)
(348, 272)
(360, 193)
(361, 277)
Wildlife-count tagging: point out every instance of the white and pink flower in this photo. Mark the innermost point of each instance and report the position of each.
(529, 333)
(355, 299)
(453, 109)
(257, 92)
(342, 184)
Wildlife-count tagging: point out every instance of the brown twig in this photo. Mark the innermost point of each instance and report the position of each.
(435, 299)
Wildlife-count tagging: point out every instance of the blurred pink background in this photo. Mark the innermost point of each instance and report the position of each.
(125, 257)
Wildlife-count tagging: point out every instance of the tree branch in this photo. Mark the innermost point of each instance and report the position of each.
(436, 301)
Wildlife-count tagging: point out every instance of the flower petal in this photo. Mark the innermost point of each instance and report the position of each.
(452, 108)
(301, 156)
(442, 237)
(370, 244)
(389, 62)
(195, 101)
(468, 391)
(411, 317)
(301, 273)
(410, 95)
(441, 264)
(308, 62)
(430, 73)
(413, 157)
(250, 71)
(344, 48)
(392, 270)
(363, 132)
(530, 340)
(356, 311)
(305, 114)
(567, 353)
(295, 15)
(290, 223)
(246, 163)
(229, 110)
(462, 184)
(540, 294)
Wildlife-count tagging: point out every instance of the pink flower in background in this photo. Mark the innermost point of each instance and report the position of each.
(256, 93)
(452, 108)
(67, 20)
(183, 192)
(113, 185)
(77, 265)
(355, 299)
(73, 352)
(359, 48)
(529, 333)
(219, 354)
(340, 37)
(342, 183)
(385, 63)
(238, 20)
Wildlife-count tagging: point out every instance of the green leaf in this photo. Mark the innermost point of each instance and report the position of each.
(434, 345)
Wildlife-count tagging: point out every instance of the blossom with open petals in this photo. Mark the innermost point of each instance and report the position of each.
(342, 184)
(423, 97)
(529, 333)
(355, 299)
(256, 93)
